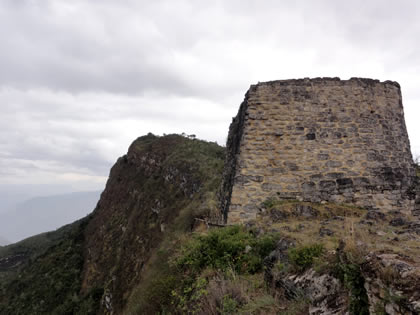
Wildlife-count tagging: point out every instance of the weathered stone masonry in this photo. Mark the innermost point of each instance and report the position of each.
(322, 139)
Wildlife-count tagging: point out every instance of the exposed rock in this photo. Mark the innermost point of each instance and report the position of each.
(392, 283)
(279, 254)
(375, 215)
(413, 227)
(277, 215)
(13, 261)
(324, 292)
(400, 221)
(305, 211)
(325, 231)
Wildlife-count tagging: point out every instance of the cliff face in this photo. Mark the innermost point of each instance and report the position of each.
(161, 185)
(342, 141)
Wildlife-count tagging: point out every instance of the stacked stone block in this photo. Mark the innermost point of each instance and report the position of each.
(316, 140)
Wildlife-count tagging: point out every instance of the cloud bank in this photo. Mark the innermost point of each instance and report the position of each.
(81, 80)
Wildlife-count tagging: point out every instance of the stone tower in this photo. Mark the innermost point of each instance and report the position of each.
(321, 139)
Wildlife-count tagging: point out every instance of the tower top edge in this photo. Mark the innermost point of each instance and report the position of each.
(327, 80)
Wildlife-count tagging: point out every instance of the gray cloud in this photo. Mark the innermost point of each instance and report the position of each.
(81, 79)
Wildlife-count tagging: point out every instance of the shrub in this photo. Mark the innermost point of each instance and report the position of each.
(204, 274)
(223, 294)
(230, 305)
(230, 247)
(303, 257)
(350, 274)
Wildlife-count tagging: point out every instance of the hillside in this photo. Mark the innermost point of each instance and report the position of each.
(154, 192)
(155, 245)
(42, 274)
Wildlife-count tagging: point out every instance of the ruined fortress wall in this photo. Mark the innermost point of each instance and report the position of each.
(317, 140)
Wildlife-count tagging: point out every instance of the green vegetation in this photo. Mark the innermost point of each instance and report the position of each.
(350, 274)
(50, 282)
(303, 257)
(204, 161)
(164, 188)
(259, 304)
(195, 163)
(29, 249)
(230, 247)
(203, 270)
(229, 305)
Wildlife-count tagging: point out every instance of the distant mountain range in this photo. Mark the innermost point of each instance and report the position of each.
(42, 214)
(3, 241)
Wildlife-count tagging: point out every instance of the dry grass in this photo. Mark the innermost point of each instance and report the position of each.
(230, 293)
(223, 295)
(345, 222)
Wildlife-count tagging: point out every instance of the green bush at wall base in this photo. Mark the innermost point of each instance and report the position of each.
(303, 257)
(230, 247)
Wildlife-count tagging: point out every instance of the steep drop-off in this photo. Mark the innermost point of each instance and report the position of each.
(42, 274)
(158, 181)
(159, 188)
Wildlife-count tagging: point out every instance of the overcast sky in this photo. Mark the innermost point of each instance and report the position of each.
(81, 79)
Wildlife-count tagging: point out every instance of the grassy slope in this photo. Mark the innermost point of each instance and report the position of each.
(329, 223)
(213, 272)
(207, 272)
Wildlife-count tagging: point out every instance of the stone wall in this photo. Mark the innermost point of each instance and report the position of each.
(322, 139)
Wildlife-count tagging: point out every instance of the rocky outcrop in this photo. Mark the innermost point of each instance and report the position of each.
(148, 188)
(324, 292)
(12, 261)
(374, 269)
(392, 284)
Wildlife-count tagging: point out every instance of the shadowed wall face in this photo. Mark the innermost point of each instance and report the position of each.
(316, 140)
